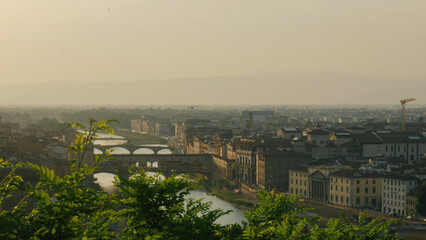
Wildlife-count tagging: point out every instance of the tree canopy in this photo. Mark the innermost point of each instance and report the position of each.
(421, 194)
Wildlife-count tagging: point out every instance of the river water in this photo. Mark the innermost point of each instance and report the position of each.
(105, 180)
(236, 216)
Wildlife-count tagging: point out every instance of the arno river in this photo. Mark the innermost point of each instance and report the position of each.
(105, 181)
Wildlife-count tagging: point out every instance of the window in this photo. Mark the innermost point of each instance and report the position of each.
(357, 190)
(341, 189)
(347, 189)
(296, 181)
(331, 197)
(347, 181)
(399, 148)
(341, 180)
(366, 200)
(366, 181)
(386, 149)
(358, 201)
(366, 190)
(291, 181)
(374, 189)
(347, 200)
(357, 181)
(374, 181)
(331, 187)
(296, 174)
(341, 199)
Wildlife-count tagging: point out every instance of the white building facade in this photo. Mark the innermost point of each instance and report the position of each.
(395, 189)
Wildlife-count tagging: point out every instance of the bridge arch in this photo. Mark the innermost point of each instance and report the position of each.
(165, 151)
(144, 151)
(120, 150)
(97, 151)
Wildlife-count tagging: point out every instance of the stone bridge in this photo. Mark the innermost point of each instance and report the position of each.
(133, 149)
(167, 164)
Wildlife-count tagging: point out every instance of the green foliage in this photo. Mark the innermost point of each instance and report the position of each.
(65, 207)
(278, 217)
(275, 217)
(155, 207)
(421, 194)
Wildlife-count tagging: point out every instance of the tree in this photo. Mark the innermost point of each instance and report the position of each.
(63, 205)
(278, 217)
(421, 194)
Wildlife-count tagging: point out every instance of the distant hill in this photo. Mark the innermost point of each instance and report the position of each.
(276, 89)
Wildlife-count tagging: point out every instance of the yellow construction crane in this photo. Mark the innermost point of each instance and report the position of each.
(403, 101)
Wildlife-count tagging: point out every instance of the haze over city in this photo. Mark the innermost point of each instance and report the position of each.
(212, 52)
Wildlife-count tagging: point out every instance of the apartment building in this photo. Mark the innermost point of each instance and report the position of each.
(312, 182)
(356, 188)
(299, 181)
(272, 168)
(395, 190)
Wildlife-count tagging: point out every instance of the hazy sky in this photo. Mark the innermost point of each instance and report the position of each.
(123, 40)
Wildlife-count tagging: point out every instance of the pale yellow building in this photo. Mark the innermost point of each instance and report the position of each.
(356, 188)
(312, 182)
(299, 182)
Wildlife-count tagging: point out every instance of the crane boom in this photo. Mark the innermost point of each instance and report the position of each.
(403, 101)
